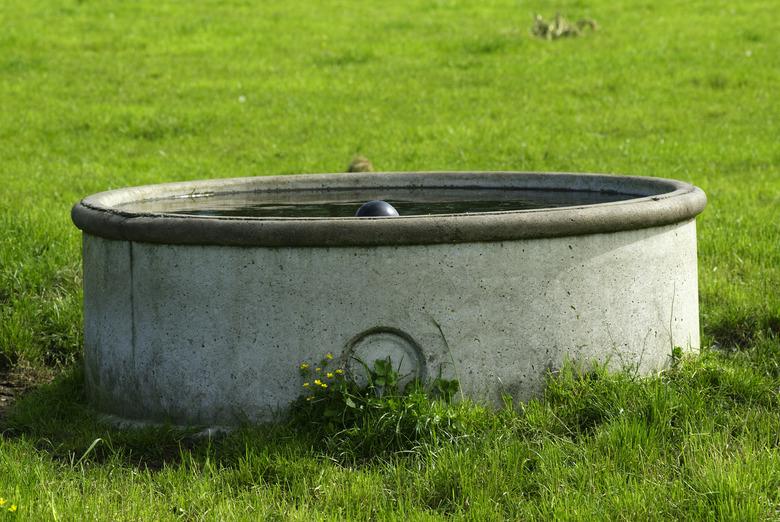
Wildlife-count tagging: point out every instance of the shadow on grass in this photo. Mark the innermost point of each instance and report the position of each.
(578, 405)
(742, 330)
(58, 420)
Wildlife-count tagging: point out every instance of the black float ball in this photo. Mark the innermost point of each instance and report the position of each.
(376, 208)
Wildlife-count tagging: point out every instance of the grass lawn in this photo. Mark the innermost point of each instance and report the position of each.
(99, 95)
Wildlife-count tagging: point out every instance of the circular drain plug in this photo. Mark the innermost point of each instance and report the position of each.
(383, 343)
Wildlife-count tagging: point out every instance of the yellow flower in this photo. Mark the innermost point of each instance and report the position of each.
(329, 375)
(317, 369)
(304, 366)
(324, 385)
(12, 508)
(2, 501)
(329, 356)
(339, 372)
(306, 385)
(318, 382)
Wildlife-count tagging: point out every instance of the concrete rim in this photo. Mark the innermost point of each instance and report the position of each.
(657, 202)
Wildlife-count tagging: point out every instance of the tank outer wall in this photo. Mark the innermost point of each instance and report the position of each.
(213, 335)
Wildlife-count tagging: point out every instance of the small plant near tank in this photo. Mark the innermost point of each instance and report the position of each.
(676, 357)
(374, 413)
(321, 382)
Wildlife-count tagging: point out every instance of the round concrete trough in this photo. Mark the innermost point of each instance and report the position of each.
(203, 320)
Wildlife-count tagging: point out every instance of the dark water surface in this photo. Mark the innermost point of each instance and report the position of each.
(344, 203)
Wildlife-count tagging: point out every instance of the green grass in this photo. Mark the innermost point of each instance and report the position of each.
(699, 442)
(98, 95)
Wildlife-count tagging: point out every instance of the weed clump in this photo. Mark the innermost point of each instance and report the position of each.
(360, 420)
(360, 164)
(560, 27)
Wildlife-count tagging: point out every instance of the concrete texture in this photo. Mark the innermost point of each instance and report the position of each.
(204, 321)
(212, 335)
